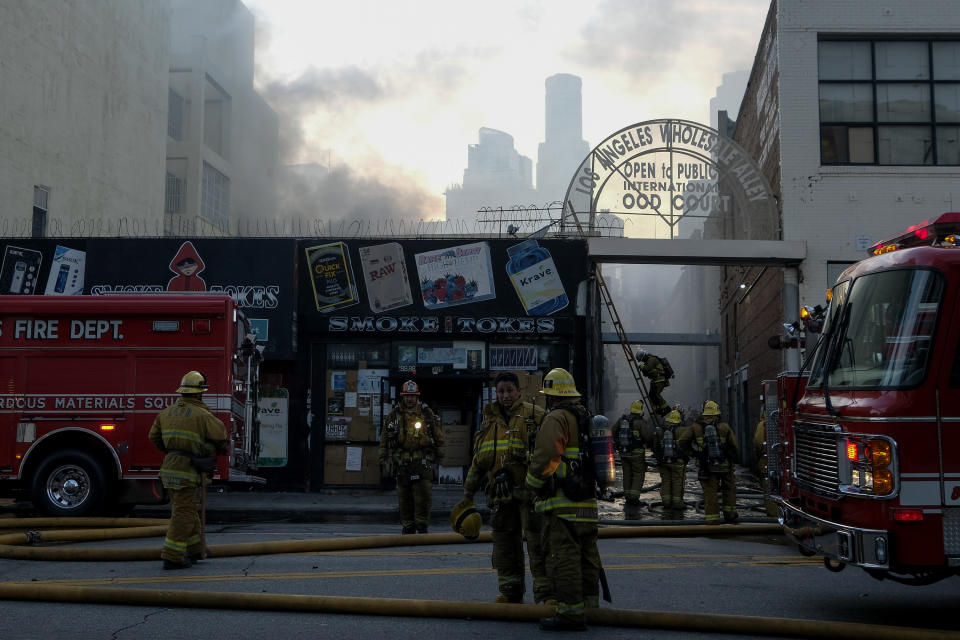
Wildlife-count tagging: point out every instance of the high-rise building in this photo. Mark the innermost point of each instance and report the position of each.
(563, 149)
(496, 176)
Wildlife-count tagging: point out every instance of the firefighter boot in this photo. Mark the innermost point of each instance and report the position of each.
(407, 529)
(169, 565)
(421, 528)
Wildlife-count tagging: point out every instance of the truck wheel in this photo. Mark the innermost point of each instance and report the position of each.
(69, 483)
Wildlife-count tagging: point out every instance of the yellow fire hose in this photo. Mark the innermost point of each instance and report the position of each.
(118, 528)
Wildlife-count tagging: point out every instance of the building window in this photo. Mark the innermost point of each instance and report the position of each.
(175, 115)
(215, 201)
(889, 102)
(41, 196)
(175, 186)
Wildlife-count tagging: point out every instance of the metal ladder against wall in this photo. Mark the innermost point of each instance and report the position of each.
(607, 300)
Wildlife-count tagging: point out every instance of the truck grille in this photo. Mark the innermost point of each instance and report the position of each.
(815, 461)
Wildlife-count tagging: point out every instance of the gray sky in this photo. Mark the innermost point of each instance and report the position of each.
(393, 93)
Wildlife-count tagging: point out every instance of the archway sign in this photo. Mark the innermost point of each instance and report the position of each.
(674, 179)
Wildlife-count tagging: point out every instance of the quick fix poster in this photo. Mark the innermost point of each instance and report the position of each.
(331, 276)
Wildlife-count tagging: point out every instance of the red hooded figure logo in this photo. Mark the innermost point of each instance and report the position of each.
(187, 264)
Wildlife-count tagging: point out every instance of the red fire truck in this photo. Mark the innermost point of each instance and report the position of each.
(863, 442)
(82, 378)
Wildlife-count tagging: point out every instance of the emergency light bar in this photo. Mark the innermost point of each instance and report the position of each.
(931, 233)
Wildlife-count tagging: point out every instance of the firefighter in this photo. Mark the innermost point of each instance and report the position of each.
(671, 463)
(412, 441)
(191, 437)
(566, 496)
(653, 369)
(500, 457)
(760, 460)
(631, 435)
(714, 445)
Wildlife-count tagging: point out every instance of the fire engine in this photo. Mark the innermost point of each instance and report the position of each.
(83, 377)
(863, 442)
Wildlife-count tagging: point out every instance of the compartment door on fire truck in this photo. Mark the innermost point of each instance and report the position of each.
(157, 380)
(949, 397)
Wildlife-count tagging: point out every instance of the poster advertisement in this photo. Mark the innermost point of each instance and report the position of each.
(274, 417)
(455, 275)
(66, 272)
(331, 276)
(535, 279)
(368, 380)
(385, 274)
(20, 271)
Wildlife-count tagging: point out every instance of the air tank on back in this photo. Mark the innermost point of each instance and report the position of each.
(601, 450)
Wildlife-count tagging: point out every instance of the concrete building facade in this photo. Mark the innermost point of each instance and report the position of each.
(84, 111)
(853, 112)
(222, 136)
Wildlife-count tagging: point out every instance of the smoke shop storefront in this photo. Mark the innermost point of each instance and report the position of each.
(449, 314)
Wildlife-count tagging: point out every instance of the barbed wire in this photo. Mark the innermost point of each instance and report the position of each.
(500, 222)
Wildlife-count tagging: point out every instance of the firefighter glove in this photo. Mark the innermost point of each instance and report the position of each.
(502, 485)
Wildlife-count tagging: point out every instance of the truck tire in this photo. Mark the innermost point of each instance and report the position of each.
(69, 483)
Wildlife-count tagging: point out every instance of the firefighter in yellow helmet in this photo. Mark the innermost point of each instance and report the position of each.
(411, 443)
(567, 499)
(189, 435)
(501, 452)
(631, 437)
(671, 463)
(714, 445)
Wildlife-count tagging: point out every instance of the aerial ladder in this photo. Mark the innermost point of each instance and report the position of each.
(618, 327)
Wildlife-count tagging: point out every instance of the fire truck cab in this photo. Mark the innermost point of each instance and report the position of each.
(863, 443)
(83, 377)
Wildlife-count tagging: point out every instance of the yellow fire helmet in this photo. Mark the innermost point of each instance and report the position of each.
(710, 408)
(674, 417)
(637, 407)
(193, 382)
(465, 519)
(559, 382)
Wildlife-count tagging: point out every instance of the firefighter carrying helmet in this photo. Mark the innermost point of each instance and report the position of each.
(409, 388)
(710, 408)
(465, 519)
(637, 407)
(193, 382)
(559, 382)
(674, 417)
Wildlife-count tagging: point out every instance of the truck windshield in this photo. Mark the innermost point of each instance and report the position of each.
(883, 324)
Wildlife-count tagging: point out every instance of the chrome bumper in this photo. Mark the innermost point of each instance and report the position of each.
(868, 548)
